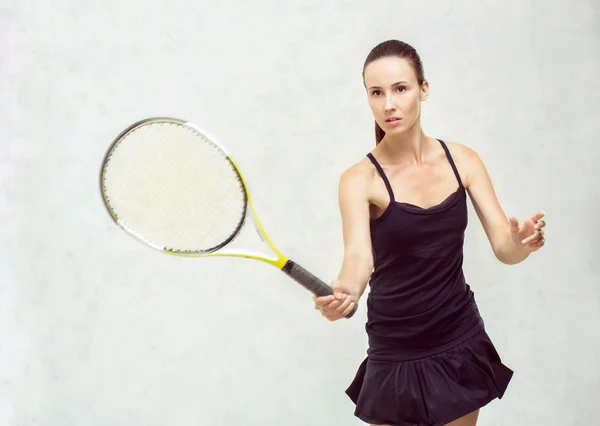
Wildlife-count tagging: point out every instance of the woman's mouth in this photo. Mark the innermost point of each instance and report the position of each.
(392, 121)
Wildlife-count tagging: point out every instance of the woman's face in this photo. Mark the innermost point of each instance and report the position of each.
(394, 94)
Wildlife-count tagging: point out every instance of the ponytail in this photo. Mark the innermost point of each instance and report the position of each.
(379, 134)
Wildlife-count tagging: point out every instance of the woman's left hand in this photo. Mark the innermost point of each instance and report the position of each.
(529, 234)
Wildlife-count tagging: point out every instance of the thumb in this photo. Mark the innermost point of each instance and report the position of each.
(338, 291)
(514, 224)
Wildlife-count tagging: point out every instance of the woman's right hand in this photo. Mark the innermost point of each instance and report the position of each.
(336, 306)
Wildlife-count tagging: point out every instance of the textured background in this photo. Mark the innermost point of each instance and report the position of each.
(98, 330)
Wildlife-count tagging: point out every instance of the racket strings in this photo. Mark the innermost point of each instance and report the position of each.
(211, 231)
(174, 188)
(211, 215)
(203, 221)
(195, 227)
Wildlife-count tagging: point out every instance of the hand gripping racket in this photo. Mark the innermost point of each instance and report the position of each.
(168, 183)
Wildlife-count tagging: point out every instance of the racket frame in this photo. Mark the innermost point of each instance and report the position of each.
(280, 261)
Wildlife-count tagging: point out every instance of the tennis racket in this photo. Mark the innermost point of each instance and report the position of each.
(171, 185)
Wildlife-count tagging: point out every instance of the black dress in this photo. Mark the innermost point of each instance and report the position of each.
(430, 360)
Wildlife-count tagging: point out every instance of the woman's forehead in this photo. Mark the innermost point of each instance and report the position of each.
(388, 71)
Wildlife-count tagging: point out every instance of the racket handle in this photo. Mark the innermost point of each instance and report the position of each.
(310, 282)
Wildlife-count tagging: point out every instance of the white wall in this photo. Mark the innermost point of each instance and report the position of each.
(96, 329)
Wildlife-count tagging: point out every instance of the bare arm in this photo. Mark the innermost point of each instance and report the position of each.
(357, 264)
(512, 243)
(353, 200)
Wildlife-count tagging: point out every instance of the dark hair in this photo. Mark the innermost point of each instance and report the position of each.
(400, 49)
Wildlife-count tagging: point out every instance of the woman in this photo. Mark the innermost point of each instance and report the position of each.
(404, 213)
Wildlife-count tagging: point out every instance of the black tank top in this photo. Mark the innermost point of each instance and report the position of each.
(419, 301)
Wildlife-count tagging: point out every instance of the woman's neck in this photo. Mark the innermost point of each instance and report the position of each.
(410, 146)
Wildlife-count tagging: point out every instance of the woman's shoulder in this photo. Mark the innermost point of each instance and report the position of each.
(467, 160)
(458, 149)
(361, 171)
(463, 155)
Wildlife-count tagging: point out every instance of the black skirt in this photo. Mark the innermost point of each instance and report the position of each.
(431, 390)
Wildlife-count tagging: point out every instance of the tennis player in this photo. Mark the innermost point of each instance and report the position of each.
(430, 361)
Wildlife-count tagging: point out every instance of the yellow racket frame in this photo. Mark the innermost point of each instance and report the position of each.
(282, 262)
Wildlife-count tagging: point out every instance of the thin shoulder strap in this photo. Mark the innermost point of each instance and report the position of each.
(451, 163)
(383, 176)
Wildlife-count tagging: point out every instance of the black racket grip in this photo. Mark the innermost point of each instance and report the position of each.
(310, 282)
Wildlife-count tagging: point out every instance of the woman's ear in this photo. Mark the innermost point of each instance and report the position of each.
(425, 90)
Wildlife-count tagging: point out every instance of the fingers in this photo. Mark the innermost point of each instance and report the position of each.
(534, 238)
(327, 303)
(534, 219)
(349, 309)
(340, 312)
(343, 307)
(530, 231)
(338, 305)
(530, 222)
(323, 301)
(537, 216)
(335, 308)
(537, 244)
